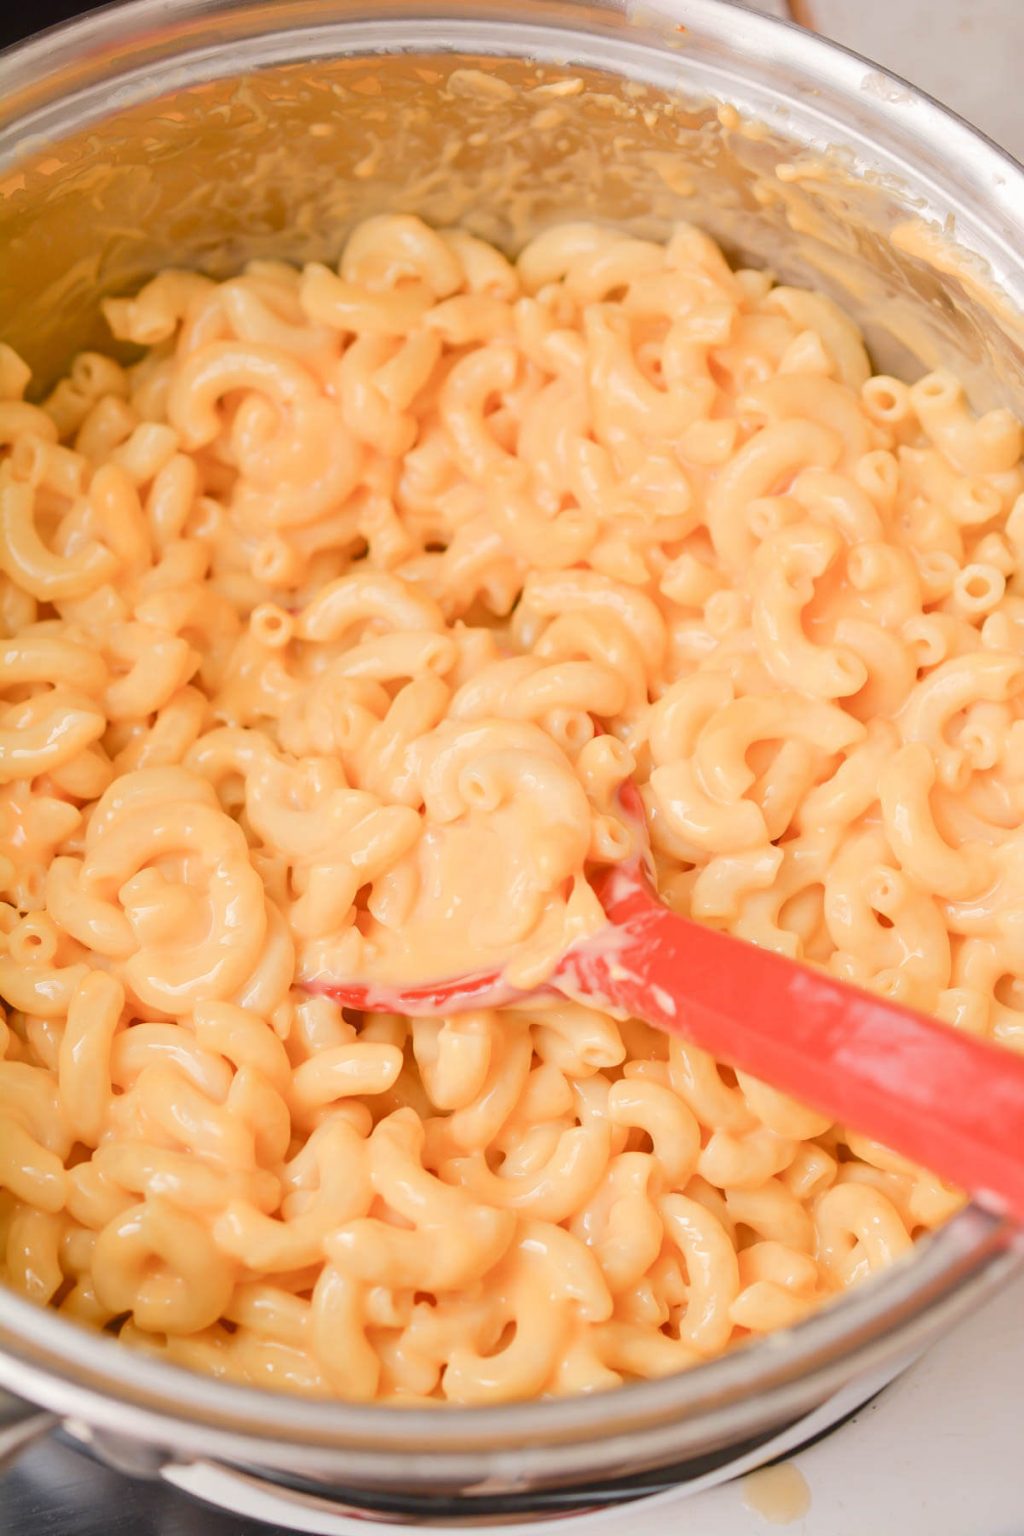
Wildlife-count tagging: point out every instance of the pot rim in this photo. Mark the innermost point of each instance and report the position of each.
(146, 33)
(70, 1369)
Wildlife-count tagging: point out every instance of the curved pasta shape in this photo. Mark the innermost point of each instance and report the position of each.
(822, 315)
(905, 786)
(768, 462)
(858, 1228)
(450, 1238)
(164, 973)
(785, 568)
(390, 247)
(712, 1270)
(808, 397)
(990, 443)
(626, 402)
(361, 598)
(720, 752)
(162, 1267)
(36, 568)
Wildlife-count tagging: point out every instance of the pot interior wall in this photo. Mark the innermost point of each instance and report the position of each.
(281, 162)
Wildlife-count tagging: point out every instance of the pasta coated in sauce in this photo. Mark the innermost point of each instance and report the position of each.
(309, 618)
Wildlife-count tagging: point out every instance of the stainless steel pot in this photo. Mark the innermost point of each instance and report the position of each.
(203, 132)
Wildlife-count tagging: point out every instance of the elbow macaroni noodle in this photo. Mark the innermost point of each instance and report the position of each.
(309, 615)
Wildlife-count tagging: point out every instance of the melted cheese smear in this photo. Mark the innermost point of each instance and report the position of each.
(495, 879)
(779, 1494)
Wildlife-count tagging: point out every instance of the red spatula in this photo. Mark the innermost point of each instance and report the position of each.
(944, 1099)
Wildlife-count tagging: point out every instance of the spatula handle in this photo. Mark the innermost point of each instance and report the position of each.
(946, 1100)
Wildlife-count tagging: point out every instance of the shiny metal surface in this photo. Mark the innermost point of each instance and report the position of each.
(55, 1491)
(427, 106)
(960, 1397)
(21, 1424)
(253, 152)
(54, 1482)
(116, 1400)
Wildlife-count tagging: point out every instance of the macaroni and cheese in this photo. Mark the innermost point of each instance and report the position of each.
(332, 626)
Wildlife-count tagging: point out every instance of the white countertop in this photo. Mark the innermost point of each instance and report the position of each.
(965, 52)
(939, 1453)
